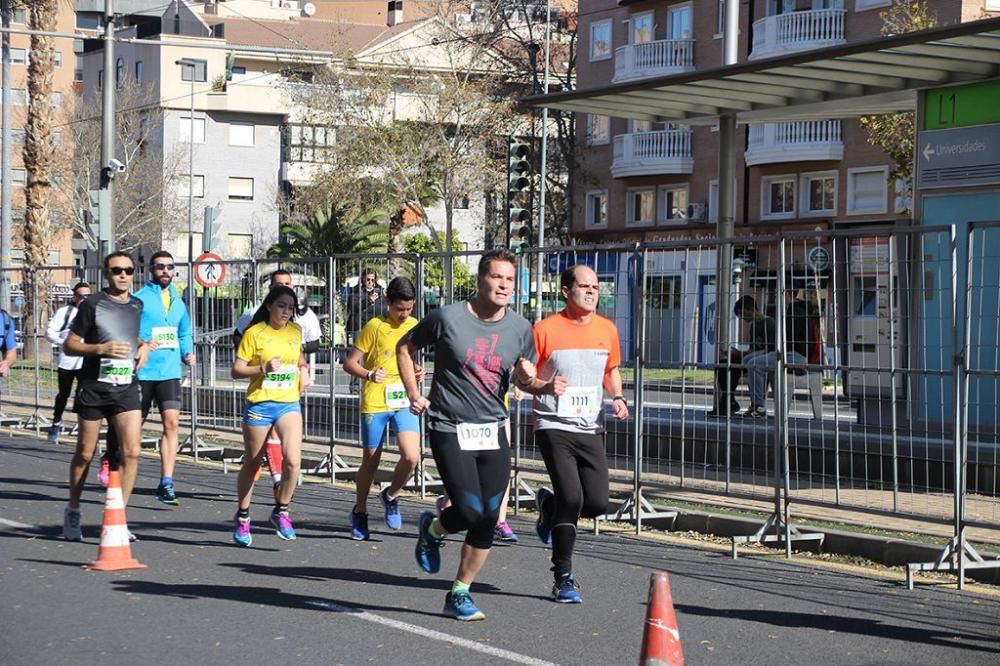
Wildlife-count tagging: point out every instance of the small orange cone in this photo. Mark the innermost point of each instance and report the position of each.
(114, 553)
(661, 641)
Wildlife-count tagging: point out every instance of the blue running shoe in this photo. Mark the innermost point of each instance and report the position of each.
(460, 606)
(428, 549)
(359, 526)
(241, 535)
(543, 526)
(282, 525)
(566, 591)
(165, 493)
(393, 519)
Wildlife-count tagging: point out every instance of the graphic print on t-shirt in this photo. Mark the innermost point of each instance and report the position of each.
(482, 365)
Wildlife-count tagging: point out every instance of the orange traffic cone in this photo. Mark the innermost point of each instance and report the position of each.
(661, 641)
(114, 553)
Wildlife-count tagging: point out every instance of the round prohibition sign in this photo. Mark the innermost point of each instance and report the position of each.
(209, 270)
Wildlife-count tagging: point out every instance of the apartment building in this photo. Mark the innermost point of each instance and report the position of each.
(656, 181)
(253, 139)
(60, 248)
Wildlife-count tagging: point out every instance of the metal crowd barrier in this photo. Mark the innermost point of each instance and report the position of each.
(903, 385)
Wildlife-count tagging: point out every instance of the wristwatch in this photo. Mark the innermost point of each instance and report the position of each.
(620, 397)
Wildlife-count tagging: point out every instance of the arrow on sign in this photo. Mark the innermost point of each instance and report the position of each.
(928, 151)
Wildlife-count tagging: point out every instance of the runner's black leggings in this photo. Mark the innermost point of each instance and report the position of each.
(578, 467)
(475, 481)
(66, 378)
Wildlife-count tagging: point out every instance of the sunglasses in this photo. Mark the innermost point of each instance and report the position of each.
(163, 267)
(118, 270)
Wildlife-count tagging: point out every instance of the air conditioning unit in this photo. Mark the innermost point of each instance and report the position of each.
(697, 211)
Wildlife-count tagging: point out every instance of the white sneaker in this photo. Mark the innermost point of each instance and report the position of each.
(71, 525)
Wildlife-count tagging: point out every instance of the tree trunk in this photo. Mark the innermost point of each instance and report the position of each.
(395, 245)
(38, 159)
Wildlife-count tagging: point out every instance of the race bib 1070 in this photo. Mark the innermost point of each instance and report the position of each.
(478, 436)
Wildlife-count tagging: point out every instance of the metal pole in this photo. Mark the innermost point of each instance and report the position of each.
(727, 176)
(106, 240)
(639, 391)
(331, 304)
(542, 167)
(6, 218)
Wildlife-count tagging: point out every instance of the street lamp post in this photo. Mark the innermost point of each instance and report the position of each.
(191, 64)
(189, 292)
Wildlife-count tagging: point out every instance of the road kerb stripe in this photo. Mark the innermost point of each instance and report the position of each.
(433, 635)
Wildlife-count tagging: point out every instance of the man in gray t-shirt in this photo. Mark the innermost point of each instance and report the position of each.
(476, 346)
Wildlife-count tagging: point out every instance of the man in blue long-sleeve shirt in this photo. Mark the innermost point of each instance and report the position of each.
(165, 323)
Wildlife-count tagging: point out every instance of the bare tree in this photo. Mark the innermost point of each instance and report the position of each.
(416, 126)
(150, 195)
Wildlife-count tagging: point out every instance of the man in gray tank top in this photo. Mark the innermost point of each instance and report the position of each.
(477, 343)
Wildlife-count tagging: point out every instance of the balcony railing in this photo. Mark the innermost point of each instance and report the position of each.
(666, 56)
(797, 31)
(652, 153)
(804, 141)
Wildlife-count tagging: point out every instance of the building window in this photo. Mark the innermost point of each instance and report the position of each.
(993, 5)
(867, 190)
(241, 134)
(239, 70)
(600, 40)
(597, 208)
(138, 71)
(19, 97)
(641, 28)
(18, 176)
(309, 143)
(598, 129)
(819, 193)
(17, 136)
(673, 204)
(778, 196)
(18, 56)
(19, 16)
(640, 207)
(184, 135)
(56, 99)
(100, 80)
(861, 5)
(57, 58)
(200, 68)
(85, 20)
(903, 196)
(120, 73)
(240, 189)
(198, 182)
(462, 202)
(239, 245)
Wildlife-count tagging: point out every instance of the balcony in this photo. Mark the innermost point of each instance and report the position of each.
(797, 31)
(659, 58)
(806, 141)
(652, 153)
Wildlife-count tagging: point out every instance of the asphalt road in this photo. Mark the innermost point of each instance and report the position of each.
(324, 599)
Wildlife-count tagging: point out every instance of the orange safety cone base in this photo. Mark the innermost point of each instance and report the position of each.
(119, 565)
(114, 553)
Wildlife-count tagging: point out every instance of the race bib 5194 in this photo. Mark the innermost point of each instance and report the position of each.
(285, 378)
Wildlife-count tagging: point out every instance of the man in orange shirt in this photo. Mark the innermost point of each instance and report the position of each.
(581, 347)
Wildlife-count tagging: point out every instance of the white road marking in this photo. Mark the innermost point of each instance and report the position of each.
(434, 635)
(16, 525)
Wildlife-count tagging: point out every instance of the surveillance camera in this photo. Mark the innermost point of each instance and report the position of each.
(116, 166)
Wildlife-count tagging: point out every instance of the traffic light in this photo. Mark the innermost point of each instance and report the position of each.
(211, 228)
(518, 181)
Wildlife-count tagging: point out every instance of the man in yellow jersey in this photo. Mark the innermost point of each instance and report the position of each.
(383, 402)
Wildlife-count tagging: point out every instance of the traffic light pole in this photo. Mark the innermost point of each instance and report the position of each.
(510, 198)
(540, 256)
(106, 216)
(6, 216)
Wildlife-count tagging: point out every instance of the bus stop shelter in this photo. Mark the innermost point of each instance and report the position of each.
(879, 76)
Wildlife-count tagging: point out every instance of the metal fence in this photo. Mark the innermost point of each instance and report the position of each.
(905, 384)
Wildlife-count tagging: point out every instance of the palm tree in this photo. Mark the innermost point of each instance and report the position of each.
(38, 150)
(331, 229)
